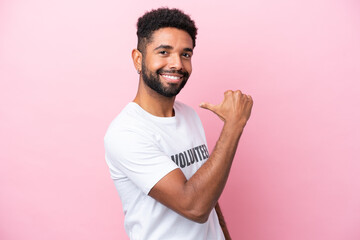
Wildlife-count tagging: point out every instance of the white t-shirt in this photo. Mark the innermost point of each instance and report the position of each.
(140, 149)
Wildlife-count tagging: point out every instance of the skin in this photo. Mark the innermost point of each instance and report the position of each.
(196, 197)
(222, 222)
(177, 58)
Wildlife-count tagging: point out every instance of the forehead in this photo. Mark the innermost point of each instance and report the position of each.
(171, 36)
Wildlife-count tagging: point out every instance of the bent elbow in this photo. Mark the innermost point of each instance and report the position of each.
(201, 219)
(198, 216)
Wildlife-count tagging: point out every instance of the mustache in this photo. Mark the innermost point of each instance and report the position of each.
(162, 71)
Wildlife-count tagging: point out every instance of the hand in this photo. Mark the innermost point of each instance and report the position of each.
(234, 109)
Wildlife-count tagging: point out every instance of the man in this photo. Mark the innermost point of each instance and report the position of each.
(156, 149)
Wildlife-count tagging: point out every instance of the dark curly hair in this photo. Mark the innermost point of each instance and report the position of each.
(161, 18)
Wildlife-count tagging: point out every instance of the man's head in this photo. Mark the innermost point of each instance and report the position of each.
(166, 39)
(162, 18)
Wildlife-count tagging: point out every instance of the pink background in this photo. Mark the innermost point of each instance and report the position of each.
(66, 72)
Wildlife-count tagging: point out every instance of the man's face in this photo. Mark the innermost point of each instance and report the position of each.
(166, 66)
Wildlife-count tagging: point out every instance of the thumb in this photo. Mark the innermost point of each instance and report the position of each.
(208, 106)
(213, 108)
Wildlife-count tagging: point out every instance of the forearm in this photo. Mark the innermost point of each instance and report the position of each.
(206, 185)
(196, 197)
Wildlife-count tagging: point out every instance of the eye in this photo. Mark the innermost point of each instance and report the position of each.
(186, 55)
(163, 52)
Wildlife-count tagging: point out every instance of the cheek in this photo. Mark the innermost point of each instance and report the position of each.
(156, 63)
(188, 67)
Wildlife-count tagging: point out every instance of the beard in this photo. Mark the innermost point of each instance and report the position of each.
(152, 80)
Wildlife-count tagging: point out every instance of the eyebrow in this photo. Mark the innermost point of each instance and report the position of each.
(188, 50)
(170, 48)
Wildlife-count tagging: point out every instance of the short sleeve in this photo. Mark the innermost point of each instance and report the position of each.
(137, 156)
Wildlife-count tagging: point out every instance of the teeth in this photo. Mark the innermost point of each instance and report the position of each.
(171, 77)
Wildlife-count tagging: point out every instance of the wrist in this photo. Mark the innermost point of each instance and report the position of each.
(236, 127)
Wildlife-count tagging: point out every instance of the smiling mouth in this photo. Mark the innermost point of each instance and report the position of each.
(171, 78)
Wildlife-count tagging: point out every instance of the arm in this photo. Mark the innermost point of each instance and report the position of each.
(196, 197)
(222, 222)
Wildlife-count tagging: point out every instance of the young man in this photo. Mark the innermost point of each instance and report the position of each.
(156, 149)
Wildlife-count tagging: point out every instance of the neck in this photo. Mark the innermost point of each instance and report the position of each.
(153, 102)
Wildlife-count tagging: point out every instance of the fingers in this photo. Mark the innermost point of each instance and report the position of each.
(237, 94)
(247, 98)
(229, 92)
(239, 101)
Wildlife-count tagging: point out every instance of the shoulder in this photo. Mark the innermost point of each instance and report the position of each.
(129, 117)
(128, 121)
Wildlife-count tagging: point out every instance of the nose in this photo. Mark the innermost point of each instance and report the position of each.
(175, 62)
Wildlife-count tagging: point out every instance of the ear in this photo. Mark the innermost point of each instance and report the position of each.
(137, 59)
